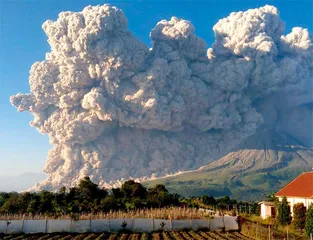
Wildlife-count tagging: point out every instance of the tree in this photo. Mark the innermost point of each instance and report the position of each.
(88, 190)
(284, 214)
(208, 200)
(309, 221)
(46, 199)
(159, 196)
(272, 198)
(299, 212)
(13, 204)
(109, 203)
(132, 189)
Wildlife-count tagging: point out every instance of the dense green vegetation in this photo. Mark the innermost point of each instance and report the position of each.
(283, 223)
(87, 197)
(299, 212)
(309, 221)
(284, 214)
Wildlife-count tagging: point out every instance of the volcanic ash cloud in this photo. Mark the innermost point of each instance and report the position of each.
(114, 109)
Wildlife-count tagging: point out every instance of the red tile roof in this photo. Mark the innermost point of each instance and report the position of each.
(302, 186)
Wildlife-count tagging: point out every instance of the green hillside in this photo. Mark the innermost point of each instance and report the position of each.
(259, 166)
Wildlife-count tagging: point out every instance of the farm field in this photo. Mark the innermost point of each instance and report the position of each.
(181, 235)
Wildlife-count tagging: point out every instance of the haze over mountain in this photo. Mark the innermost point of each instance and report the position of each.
(20, 182)
(115, 109)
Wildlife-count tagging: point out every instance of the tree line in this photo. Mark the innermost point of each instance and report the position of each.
(88, 197)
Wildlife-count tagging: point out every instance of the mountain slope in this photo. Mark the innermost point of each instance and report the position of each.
(260, 165)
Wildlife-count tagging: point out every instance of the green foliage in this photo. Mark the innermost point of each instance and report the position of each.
(284, 214)
(299, 212)
(309, 221)
(272, 198)
(132, 189)
(87, 197)
(208, 200)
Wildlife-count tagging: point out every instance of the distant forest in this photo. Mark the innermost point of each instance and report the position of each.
(87, 197)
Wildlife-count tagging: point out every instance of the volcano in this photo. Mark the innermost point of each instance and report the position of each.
(259, 166)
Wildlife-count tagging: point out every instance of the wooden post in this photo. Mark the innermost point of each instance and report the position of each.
(109, 230)
(152, 224)
(46, 224)
(269, 232)
(71, 225)
(171, 223)
(256, 231)
(22, 225)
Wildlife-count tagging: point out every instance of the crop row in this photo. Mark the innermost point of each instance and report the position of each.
(181, 235)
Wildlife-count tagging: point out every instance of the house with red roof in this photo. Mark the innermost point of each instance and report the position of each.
(299, 190)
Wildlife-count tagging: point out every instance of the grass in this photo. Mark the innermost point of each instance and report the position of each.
(174, 213)
(258, 228)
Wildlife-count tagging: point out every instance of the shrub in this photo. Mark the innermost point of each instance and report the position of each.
(299, 212)
(309, 221)
(284, 215)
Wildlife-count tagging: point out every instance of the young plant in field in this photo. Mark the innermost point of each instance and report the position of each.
(166, 236)
(113, 236)
(144, 236)
(124, 224)
(156, 236)
(135, 236)
(124, 236)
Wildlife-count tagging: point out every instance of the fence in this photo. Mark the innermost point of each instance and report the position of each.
(114, 225)
(266, 232)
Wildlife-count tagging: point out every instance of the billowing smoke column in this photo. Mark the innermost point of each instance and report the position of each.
(114, 109)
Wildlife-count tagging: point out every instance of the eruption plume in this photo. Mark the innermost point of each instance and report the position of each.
(114, 109)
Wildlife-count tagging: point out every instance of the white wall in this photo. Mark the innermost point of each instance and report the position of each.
(198, 224)
(34, 226)
(58, 226)
(143, 225)
(114, 225)
(100, 225)
(266, 211)
(294, 200)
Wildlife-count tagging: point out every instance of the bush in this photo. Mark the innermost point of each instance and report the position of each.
(284, 214)
(309, 221)
(299, 212)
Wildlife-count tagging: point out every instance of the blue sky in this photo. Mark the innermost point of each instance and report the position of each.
(22, 42)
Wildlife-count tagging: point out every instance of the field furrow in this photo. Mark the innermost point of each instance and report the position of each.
(177, 236)
(173, 235)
